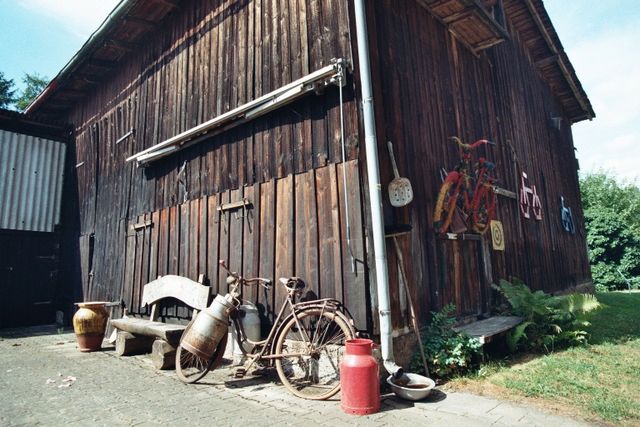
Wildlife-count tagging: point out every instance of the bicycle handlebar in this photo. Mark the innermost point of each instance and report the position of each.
(471, 146)
(265, 283)
(236, 278)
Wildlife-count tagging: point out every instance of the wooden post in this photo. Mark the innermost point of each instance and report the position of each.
(128, 344)
(163, 355)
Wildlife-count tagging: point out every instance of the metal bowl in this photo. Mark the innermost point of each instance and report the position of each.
(411, 386)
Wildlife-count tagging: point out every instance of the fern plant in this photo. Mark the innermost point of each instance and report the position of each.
(449, 352)
(549, 321)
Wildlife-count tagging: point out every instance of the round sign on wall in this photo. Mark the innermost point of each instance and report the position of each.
(497, 236)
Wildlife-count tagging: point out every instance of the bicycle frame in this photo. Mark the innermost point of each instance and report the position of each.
(266, 345)
(471, 191)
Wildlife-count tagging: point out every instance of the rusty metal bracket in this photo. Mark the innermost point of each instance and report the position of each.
(142, 225)
(234, 206)
(459, 236)
(131, 132)
(504, 192)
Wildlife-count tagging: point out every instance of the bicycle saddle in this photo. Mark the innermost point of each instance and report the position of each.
(293, 283)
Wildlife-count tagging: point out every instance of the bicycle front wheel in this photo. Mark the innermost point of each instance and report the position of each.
(447, 202)
(191, 368)
(310, 347)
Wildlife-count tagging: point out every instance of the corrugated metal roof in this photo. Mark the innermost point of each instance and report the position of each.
(31, 176)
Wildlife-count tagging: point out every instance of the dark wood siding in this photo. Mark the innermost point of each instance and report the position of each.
(293, 225)
(430, 87)
(210, 57)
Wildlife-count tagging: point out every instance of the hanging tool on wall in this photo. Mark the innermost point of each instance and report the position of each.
(400, 191)
(403, 276)
(182, 182)
(341, 82)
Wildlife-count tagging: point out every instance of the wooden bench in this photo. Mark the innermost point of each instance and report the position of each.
(137, 335)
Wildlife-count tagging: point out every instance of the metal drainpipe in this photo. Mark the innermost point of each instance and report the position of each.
(375, 194)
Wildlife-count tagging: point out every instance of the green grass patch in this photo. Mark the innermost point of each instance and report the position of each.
(601, 380)
(618, 320)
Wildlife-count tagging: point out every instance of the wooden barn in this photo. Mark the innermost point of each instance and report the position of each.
(255, 131)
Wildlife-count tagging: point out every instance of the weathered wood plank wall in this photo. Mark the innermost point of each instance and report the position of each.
(210, 57)
(429, 87)
(213, 56)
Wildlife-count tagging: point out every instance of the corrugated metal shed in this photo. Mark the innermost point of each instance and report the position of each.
(31, 176)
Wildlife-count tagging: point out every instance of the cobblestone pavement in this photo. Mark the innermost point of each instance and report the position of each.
(115, 391)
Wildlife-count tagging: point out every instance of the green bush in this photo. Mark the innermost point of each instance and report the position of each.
(612, 222)
(449, 353)
(549, 322)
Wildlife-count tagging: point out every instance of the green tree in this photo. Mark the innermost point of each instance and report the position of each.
(612, 220)
(7, 91)
(34, 84)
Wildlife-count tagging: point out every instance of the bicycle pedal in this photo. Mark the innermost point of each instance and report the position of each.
(239, 372)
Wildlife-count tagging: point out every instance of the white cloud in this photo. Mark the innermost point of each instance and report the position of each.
(608, 66)
(602, 39)
(78, 17)
(610, 69)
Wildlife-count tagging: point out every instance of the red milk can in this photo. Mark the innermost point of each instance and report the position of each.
(359, 378)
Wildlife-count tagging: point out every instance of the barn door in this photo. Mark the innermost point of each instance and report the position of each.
(28, 278)
(465, 276)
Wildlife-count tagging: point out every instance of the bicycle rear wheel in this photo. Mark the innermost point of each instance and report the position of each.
(446, 202)
(310, 347)
(191, 368)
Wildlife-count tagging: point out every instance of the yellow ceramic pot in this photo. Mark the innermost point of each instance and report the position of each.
(89, 324)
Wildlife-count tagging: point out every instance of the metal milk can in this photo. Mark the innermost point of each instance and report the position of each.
(249, 320)
(359, 378)
(210, 325)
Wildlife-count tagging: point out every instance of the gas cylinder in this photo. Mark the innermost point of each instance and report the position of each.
(359, 378)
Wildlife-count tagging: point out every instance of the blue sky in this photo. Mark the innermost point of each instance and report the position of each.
(42, 35)
(602, 39)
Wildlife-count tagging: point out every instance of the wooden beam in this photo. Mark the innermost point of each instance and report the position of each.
(128, 344)
(459, 16)
(488, 19)
(174, 4)
(123, 45)
(101, 63)
(488, 43)
(547, 61)
(142, 22)
(72, 93)
(88, 79)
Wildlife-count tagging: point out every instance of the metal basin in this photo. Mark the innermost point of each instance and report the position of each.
(411, 386)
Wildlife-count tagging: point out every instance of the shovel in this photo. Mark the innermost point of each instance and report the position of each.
(400, 191)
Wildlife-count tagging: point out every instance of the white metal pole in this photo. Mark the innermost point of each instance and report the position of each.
(375, 193)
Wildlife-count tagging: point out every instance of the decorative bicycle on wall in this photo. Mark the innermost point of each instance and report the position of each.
(467, 189)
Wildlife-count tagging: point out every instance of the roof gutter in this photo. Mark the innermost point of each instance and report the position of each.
(375, 194)
(95, 40)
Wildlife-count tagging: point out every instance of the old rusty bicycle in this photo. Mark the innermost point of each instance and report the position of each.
(306, 342)
(469, 190)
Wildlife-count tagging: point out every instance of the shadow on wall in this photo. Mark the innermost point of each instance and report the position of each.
(70, 286)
